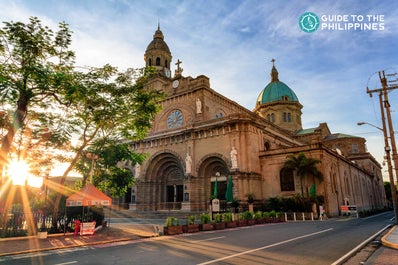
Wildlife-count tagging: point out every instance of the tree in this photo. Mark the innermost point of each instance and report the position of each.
(37, 72)
(109, 106)
(304, 167)
(34, 73)
(112, 171)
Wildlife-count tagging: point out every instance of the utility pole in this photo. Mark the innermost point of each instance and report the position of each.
(384, 104)
(383, 81)
(388, 157)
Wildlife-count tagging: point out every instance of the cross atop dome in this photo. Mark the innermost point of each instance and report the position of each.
(274, 72)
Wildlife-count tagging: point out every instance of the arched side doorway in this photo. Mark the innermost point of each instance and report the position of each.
(163, 186)
(211, 167)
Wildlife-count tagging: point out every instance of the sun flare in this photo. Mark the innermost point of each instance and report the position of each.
(18, 171)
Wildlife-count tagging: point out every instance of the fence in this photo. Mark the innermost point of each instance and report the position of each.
(302, 216)
(19, 223)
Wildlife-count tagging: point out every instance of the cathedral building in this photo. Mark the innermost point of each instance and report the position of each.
(201, 137)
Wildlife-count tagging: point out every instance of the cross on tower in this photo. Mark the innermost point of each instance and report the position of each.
(178, 64)
(273, 62)
(179, 70)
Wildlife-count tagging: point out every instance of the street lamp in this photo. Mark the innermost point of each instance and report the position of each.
(387, 149)
(364, 122)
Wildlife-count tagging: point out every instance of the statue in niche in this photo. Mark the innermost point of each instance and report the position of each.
(234, 158)
(198, 106)
(137, 170)
(188, 164)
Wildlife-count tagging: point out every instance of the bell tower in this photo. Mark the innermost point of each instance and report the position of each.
(278, 104)
(158, 54)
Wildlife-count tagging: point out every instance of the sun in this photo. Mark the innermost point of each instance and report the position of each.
(18, 171)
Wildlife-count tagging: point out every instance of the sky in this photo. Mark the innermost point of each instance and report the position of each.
(233, 42)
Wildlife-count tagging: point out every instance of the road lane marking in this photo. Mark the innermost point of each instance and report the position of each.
(265, 247)
(209, 239)
(66, 263)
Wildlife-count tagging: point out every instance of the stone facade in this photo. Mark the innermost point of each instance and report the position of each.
(201, 137)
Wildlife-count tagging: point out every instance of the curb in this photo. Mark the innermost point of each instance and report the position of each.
(73, 246)
(32, 237)
(388, 243)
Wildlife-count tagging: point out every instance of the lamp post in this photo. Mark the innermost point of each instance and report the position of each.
(389, 165)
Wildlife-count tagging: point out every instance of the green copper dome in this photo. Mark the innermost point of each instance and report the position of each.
(276, 91)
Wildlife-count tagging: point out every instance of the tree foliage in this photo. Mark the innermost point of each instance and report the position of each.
(304, 167)
(35, 66)
(46, 101)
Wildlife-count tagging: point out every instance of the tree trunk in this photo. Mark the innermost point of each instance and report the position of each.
(65, 175)
(6, 142)
(59, 193)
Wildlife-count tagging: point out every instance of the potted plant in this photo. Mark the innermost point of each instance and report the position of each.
(248, 215)
(267, 217)
(228, 221)
(191, 226)
(272, 215)
(172, 226)
(242, 221)
(205, 224)
(218, 222)
(258, 216)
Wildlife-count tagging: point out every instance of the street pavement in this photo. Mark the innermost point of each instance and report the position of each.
(115, 232)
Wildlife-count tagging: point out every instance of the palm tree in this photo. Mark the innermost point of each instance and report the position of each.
(304, 167)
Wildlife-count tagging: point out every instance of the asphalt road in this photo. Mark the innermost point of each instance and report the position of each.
(318, 242)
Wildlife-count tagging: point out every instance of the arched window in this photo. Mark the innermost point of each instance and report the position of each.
(166, 64)
(150, 62)
(289, 117)
(287, 179)
(272, 117)
(268, 117)
(284, 117)
(157, 61)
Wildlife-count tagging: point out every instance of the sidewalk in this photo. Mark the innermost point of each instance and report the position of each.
(115, 233)
(388, 253)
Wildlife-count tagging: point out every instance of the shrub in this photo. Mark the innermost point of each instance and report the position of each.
(227, 217)
(204, 218)
(258, 215)
(217, 218)
(241, 216)
(272, 213)
(191, 219)
(247, 215)
(172, 221)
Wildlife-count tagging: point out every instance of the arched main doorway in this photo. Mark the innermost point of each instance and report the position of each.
(211, 168)
(163, 187)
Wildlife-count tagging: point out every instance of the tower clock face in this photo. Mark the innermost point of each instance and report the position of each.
(175, 119)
